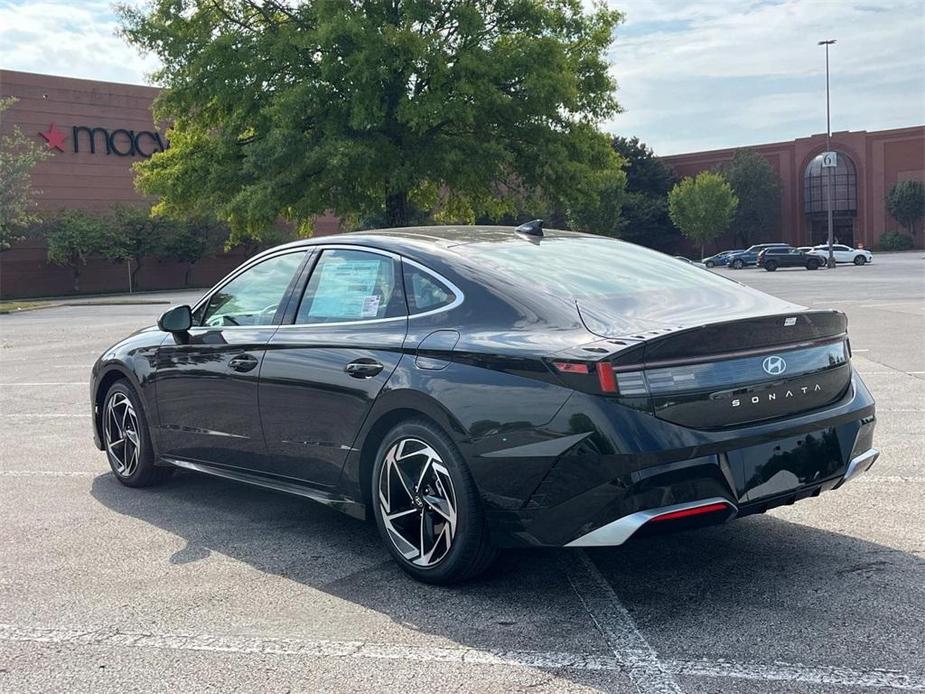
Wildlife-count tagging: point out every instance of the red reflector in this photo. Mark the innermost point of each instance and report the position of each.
(606, 377)
(570, 367)
(696, 511)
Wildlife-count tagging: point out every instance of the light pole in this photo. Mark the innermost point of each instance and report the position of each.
(828, 148)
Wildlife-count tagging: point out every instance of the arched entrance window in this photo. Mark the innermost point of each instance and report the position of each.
(843, 182)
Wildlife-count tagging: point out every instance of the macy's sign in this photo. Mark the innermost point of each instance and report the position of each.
(121, 142)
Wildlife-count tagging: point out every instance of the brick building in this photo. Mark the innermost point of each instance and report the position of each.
(869, 163)
(95, 131)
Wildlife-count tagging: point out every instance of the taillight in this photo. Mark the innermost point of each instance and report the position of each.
(571, 367)
(600, 377)
(606, 378)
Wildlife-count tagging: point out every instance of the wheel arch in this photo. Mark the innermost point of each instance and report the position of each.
(109, 374)
(391, 409)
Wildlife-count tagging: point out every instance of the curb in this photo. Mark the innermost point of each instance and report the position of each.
(58, 304)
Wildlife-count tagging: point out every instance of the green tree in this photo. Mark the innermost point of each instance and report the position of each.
(702, 207)
(73, 236)
(644, 216)
(601, 214)
(758, 188)
(369, 108)
(18, 157)
(906, 202)
(188, 241)
(133, 234)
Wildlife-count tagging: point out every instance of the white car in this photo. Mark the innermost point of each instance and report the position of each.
(844, 254)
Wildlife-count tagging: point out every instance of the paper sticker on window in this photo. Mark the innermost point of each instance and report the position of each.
(370, 306)
(344, 289)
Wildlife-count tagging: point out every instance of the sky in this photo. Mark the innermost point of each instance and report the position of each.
(692, 75)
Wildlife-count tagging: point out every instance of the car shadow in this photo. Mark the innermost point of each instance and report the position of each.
(714, 592)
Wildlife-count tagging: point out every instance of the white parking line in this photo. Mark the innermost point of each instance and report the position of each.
(788, 672)
(50, 473)
(629, 646)
(20, 415)
(58, 383)
(323, 648)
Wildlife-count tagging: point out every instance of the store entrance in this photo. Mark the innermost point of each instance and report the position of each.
(843, 230)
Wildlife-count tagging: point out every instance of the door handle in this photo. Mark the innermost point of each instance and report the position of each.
(363, 368)
(243, 362)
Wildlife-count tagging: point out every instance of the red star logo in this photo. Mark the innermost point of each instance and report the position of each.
(54, 137)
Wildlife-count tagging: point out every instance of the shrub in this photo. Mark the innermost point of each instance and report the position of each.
(894, 241)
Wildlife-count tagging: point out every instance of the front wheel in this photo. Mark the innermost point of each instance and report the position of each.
(427, 506)
(770, 266)
(709, 263)
(859, 260)
(737, 264)
(813, 265)
(127, 440)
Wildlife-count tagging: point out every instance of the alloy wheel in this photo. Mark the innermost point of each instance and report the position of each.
(121, 433)
(417, 502)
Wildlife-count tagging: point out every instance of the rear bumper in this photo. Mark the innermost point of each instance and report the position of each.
(715, 510)
(632, 468)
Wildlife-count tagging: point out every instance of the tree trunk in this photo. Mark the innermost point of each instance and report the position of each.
(75, 269)
(135, 275)
(188, 275)
(702, 254)
(396, 209)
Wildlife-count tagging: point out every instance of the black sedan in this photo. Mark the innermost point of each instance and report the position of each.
(478, 388)
(787, 256)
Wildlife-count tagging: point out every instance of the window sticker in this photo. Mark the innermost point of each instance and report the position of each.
(370, 306)
(346, 289)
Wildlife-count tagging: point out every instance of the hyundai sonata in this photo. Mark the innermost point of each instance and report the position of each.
(475, 388)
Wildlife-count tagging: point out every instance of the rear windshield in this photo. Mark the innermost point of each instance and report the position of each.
(591, 268)
(620, 289)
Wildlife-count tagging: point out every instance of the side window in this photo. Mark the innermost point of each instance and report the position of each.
(252, 297)
(424, 291)
(352, 286)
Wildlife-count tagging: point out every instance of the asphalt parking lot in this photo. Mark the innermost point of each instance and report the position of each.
(204, 585)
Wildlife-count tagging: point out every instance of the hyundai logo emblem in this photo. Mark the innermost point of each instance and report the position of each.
(774, 365)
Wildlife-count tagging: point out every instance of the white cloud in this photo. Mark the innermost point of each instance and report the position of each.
(72, 39)
(726, 73)
(692, 75)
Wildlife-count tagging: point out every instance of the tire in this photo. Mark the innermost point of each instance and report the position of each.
(813, 265)
(737, 264)
(859, 260)
(418, 449)
(770, 266)
(709, 263)
(123, 419)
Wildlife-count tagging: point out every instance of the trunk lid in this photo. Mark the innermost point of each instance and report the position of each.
(724, 373)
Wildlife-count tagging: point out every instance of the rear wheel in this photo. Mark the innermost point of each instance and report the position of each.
(738, 264)
(859, 260)
(126, 439)
(427, 506)
(770, 266)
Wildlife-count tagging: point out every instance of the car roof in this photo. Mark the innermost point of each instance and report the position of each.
(429, 241)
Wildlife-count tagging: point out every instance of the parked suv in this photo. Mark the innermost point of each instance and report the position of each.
(782, 256)
(750, 257)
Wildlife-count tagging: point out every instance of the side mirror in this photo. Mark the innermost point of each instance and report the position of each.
(178, 319)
